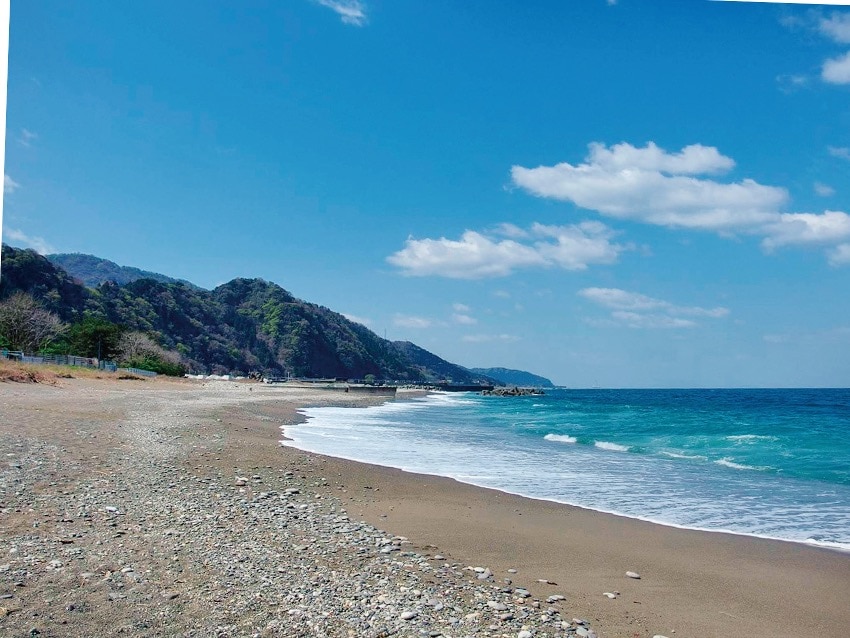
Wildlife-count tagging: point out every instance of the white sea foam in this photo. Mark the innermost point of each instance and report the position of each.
(741, 438)
(677, 455)
(738, 466)
(435, 435)
(614, 447)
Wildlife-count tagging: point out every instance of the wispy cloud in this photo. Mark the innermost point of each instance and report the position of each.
(824, 190)
(649, 185)
(485, 338)
(9, 185)
(636, 310)
(350, 11)
(465, 320)
(39, 244)
(477, 255)
(26, 138)
(841, 152)
(840, 255)
(836, 27)
(412, 321)
(361, 320)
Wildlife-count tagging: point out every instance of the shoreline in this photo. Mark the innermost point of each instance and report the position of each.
(240, 530)
(840, 548)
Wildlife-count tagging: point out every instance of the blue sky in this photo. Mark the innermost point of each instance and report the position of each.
(641, 194)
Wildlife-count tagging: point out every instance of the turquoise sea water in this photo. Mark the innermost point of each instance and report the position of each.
(772, 463)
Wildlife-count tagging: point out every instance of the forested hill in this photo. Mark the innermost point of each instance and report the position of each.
(93, 271)
(515, 377)
(242, 326)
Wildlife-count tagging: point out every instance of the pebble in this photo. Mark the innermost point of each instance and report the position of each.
(492, 604)
(408, 615)
(609, 594)
(524, 634)
(634, 575)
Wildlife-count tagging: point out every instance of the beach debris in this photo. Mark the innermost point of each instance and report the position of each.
(634, 575)
(610, 594)
(546, 582)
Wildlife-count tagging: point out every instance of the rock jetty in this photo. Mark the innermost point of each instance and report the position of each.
(513, 392)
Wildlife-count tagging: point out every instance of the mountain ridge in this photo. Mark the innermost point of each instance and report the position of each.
(242, 326)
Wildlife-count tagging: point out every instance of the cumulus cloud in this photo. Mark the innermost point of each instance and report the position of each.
(650, 185)
(39, 244)
(807, 228)
(412, 321)
(350, 11)
(636, 310)
(9, 185)
(837, 70)
(476, 255)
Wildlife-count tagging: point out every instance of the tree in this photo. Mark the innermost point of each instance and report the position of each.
(93, 337)
(26, 326)
(138, 350)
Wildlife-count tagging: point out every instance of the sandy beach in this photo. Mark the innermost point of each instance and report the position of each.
(170, 508)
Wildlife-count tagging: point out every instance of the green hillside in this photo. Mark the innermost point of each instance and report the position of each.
(243, 326)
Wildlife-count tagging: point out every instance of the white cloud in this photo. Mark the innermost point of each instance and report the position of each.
(411, 321)
(637, 320)
(485, 338)
(824, 190)
(476, 255)
(465, 320)
(839, 151)
(502, 294)
(807, 228)
(39, 244)
(836, 27)
(840, 255)
(461, 307)
(9, 185)
(26, 138)
(837, 70)
(623, 300)
(361, 320)
(636, 310)
(350, 11)
(791, 82)
(650, 185)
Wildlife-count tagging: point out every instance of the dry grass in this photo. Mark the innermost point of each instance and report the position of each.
(37, 373)
(21, 373)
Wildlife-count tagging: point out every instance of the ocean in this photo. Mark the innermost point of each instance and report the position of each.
(767, 463)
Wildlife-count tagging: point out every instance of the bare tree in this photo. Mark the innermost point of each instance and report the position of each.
(136, 345)
(26, 326)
